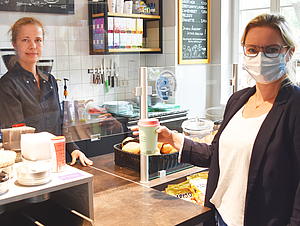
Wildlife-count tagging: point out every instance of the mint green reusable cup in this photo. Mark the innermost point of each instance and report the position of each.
(148, 136)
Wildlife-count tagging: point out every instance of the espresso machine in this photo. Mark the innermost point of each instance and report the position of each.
(44, 65)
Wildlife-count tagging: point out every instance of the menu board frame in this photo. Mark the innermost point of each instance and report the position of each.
(35, 6)
(196, 60)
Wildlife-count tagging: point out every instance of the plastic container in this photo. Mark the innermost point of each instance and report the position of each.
(4, 183)
(112, 6)
(197, 127)
(33, 174)
(58, 153)
(128, 6)
(215, 113)
(9, 170)
(11, 137)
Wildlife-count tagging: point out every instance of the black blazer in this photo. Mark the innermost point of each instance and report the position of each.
(273, 191)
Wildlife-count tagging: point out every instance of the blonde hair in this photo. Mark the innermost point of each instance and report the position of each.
(278, 22)
(14, 31)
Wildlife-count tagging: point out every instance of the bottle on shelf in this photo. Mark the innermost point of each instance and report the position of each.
(117, 29)
(135, 7)
(133, 34)
(128, 33)
(120, 6)
(139, 31)
(123, 34)
(128, 6)
(111, 6)
(110, 32)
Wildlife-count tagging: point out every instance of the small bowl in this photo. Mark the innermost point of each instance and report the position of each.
(32, 174)
(38, 198)
(4, 185)
(9, 170)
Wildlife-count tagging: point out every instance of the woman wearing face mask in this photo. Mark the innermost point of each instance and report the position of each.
(28, 95)
(254, 159)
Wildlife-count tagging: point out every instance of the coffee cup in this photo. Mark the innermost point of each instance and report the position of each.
(148, 135)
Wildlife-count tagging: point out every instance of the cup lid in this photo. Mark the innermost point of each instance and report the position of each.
(149, 122)
(58, 138)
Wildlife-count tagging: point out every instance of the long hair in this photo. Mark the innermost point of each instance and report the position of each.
(278, 22)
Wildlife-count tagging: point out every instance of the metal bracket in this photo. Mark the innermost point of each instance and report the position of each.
(95, 137)
(138, 91)
(149, 90)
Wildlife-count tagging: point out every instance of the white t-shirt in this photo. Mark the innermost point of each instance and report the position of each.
(235, 149)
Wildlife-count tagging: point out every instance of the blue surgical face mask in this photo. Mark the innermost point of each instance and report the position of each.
(263, 69)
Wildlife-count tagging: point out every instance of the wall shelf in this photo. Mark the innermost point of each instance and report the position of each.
(141, 16)
(99, 10)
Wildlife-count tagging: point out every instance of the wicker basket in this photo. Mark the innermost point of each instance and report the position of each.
(156, 162)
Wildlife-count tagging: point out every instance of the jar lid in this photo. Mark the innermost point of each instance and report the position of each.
(197, 124)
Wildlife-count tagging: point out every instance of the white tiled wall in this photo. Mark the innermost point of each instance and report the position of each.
(66, 41)
(69, 47)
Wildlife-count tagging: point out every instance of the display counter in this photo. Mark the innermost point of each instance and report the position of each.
(120, 199)
(70, 192)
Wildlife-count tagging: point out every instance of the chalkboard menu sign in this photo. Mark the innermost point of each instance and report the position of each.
(193, 31)
(38, 6)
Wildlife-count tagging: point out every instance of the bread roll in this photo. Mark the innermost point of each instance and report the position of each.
(159, 145)
(167, 149)
(7, 158)
(157, 152)
(209, 138)
(129, 139)
(132, 147)
(197, 139)
(215, 132)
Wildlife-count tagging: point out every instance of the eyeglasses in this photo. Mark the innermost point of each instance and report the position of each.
(270, 51)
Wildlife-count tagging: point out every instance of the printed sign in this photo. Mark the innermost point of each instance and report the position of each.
(70, 176)
(193, 31)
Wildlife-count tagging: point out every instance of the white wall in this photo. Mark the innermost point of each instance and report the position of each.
(67, 43)
(199, 86)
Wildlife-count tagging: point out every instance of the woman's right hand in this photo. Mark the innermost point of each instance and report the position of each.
(164, 134)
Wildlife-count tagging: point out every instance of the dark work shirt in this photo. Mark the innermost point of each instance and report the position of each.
(21, 101)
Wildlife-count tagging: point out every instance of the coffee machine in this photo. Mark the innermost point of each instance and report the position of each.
(44, 65)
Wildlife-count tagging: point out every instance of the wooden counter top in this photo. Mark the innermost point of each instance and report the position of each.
(120, 199)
